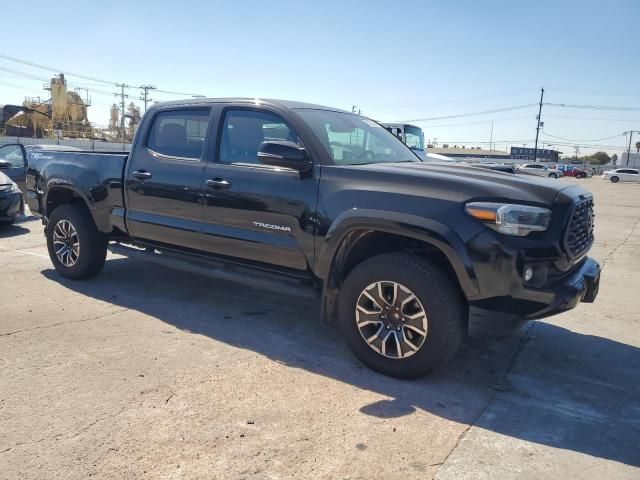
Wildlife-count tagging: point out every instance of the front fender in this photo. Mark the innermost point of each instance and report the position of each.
(337, 241)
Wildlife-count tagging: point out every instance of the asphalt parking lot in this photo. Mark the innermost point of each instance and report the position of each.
(148, 372)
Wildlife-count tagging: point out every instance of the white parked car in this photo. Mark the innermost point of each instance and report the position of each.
(622, 175)
(539, 169)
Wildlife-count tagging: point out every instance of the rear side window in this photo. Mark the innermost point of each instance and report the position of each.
(244, 130)
(179, 133)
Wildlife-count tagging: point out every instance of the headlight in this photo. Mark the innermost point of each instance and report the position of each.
(11, 188)
(510, 219)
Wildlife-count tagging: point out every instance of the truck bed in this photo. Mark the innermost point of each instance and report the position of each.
(98, 179)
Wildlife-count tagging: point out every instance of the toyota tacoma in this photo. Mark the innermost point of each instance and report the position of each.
(322, 201)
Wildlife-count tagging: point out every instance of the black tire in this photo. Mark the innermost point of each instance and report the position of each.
(553, 175)
(445, 308)
(579, 176)
(615, 179)
(92, 243)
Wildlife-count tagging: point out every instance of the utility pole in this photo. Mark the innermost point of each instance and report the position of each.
(630, 132)
(577, 149)
(122, 97)
(145, 95)
(491, 140)
(535, 148)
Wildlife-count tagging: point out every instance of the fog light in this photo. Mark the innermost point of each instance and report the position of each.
(528, 274)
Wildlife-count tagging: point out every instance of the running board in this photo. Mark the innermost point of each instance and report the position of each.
(221, 271)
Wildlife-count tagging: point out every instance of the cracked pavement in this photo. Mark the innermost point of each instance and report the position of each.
(147, 372)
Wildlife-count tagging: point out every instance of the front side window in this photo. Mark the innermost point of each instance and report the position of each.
(12, 154)
(179, 133)
(354, 140)
(414, 137)
(244, 130)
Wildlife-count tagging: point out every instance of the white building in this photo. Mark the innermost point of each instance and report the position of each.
(634, 160)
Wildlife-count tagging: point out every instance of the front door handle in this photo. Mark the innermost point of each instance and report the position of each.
(218, 183)
(141, 174)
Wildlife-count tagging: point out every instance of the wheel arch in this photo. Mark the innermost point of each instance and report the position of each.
(58, 195)
(360, 234)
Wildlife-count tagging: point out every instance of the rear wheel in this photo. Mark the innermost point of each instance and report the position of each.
(615, 179)
(76, 247)
(401, 315)
(553, 175)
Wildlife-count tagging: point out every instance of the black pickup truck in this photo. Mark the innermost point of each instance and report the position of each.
(314, 199)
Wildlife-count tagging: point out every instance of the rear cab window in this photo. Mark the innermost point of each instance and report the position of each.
(179, 134)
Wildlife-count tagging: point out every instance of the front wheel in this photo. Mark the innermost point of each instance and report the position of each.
(76, 248)
(401, 315)
(615, 179)
(553, 175)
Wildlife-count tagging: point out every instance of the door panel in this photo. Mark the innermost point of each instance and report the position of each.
(254, 211)
(164, 180)
(265, 215)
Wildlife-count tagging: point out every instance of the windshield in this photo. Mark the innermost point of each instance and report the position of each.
(354, 140)
(414, 137)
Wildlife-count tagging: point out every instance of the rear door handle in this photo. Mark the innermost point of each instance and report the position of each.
(141, 174)
(218, 183)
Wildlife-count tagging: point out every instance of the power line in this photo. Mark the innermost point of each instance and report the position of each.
(583, 140)
(57, 70)
(484, 112)
(180, 93)
(595, 92)
(585, 145)
(481, 122)
(24, 74)
(20, 87)
(595, 107)
(458, 100)
(85, 77)
(31, 76)
(594, 118)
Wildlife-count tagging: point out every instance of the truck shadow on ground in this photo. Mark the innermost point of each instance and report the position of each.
(549, 385)
(12, 230)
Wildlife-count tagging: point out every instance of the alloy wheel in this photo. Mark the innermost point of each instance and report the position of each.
(66, 243)
(391, 319)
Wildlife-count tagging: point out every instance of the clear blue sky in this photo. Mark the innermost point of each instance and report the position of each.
(399, 60)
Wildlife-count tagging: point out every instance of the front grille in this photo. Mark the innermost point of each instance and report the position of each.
(579, 236)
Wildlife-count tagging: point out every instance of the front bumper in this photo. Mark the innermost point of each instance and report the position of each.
(581, 285)
(11, 207)
(556, 295)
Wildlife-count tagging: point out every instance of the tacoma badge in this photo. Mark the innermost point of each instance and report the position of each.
(282, 228)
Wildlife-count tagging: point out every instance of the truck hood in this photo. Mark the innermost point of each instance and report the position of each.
(465, 182)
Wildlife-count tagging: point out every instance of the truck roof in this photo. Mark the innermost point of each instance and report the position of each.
(268, 101)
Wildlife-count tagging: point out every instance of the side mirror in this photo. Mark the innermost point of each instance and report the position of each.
(4, 164)
(282, 153)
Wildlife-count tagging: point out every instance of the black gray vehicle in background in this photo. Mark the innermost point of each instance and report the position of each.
(318, 200)
(11, 201)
